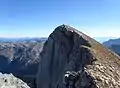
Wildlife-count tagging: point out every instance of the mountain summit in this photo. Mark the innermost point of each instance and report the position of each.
(86, 63)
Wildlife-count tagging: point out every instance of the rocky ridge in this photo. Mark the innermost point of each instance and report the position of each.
(70, 50)
(10, 81)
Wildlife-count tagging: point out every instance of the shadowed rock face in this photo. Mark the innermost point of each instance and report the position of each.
(70, 50)
(21, 59)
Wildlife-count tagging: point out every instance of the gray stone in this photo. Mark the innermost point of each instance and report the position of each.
(70, 50)
(10, 81)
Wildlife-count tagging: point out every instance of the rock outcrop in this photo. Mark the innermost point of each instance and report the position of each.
(21, 59)
(10, 81)
(70, 50)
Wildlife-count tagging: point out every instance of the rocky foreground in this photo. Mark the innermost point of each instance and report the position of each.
(10, 81)
(83, 61)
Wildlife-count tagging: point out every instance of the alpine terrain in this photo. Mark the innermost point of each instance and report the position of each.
(21, 59)
(71, 59)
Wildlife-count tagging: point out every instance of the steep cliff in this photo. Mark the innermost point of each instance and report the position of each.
(70, 50)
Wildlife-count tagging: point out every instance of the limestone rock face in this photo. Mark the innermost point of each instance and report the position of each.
(70, 50)
(9, 81)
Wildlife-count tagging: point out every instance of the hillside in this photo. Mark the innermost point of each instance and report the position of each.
(21, 59)
(23, 40)
(71, 59)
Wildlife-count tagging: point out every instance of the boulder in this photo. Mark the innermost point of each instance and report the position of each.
(10, 81)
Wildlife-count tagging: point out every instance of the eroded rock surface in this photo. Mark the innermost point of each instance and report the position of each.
(10, 81)
(70, 50)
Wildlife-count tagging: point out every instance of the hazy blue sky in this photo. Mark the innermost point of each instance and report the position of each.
(38, 18)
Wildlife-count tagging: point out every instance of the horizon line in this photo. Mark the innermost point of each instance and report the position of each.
(48, 36)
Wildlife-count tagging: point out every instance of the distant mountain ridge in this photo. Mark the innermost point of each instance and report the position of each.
(113, 44)
(103, 39)
(21, 59)
(25, 40)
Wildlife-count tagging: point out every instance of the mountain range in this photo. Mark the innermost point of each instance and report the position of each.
(68, 58)
(21, 59)
(103, 39)
(113, 44)
(25, 40)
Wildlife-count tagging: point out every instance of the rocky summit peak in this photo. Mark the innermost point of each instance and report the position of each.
(67, 28)
(71, 59)
(63, 28)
